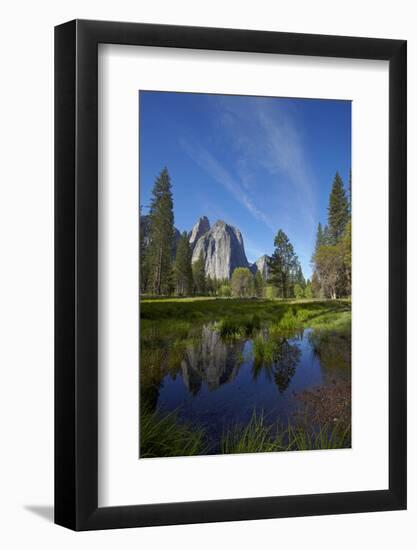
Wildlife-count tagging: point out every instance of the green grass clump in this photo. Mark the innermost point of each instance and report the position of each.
(257, 436)
(264, 350)
(336, 321)
(336, 436)
(164, 435)
(229, 329)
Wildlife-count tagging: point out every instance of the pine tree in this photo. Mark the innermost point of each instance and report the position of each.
(183, 274)
(299, 277)
(161, 236)
(308, 291)
(319, 238)
(259, 285)
(199, 274)
(142, 255)
(283, 266)
(298, 291)
(338, 210)
(326, 236)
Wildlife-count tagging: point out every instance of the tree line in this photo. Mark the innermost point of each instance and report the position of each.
(166, 266)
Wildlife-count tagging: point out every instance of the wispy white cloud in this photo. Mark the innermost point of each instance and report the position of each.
(269, 171)
(266, 134)
(219, 173)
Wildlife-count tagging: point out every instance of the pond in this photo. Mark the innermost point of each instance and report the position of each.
(215, 381)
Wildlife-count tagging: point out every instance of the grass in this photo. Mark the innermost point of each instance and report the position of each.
(164, 435)
(257, 436)
(264, 350)
(237, 318)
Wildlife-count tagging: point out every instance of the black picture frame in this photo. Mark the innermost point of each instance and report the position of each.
(76, 272)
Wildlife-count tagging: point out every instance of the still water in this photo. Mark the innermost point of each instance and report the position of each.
(219, 382)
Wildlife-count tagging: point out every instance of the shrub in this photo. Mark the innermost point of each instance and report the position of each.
(271, 292)
(225, 291)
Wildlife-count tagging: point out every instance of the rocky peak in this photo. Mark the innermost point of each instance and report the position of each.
(262, 266)
(201, 227)
(223, 250)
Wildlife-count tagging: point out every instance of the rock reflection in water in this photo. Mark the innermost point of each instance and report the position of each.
(213, 381)
(211, 360)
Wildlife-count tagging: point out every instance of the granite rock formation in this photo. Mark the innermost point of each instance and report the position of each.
(223, 250)
(199, 229)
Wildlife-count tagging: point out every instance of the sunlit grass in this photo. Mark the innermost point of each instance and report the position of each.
(241, 316)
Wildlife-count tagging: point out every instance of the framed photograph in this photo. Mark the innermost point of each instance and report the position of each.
(230, 253)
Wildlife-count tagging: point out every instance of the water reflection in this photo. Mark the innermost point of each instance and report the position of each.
(211, 360)
(333, 350)
(213, 380)
(279, 362)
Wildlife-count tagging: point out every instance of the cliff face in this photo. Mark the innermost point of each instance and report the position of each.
(262, 266)
(222, 247)
(201, 227)
(223, 250)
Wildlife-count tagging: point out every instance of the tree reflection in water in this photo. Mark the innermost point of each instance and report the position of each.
(277, 357)
(333, 350)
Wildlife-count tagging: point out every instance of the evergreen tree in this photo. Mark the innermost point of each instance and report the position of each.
(259, 285)
(142, 255)
(308, 291)
(199, 274)
(183, 274)
(338, 210)
(319, 238)
(299, 277)
(326, 236)
(161, 236)
(283, 265)
(298, 291)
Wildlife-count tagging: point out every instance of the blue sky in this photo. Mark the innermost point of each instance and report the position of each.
(261, 164)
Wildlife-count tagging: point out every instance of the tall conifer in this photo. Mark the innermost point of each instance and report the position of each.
(161, 236)
(199, 274)
(182, 270)
(283, 265)
(338, 210)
